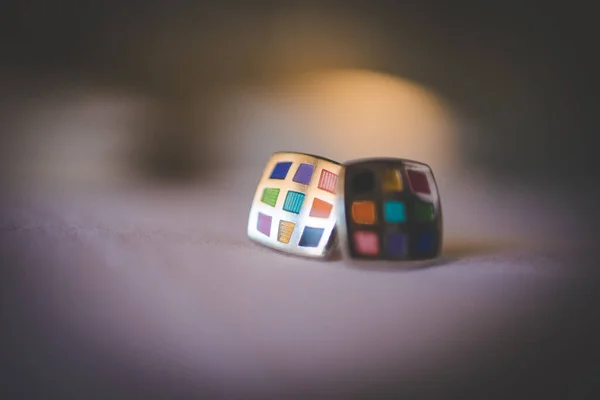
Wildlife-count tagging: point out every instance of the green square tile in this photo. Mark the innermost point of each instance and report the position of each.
(424, 212)
(270, 196)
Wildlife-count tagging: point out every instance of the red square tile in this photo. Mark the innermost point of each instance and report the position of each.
(418, 181)
(328, 181)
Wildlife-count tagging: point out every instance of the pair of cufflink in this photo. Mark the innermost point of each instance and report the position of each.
(376, 209)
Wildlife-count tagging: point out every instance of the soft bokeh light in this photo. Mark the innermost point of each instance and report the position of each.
(78, 138)
(342, 114)
(89, 138)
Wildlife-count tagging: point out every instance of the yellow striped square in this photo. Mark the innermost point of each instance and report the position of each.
(286, 228)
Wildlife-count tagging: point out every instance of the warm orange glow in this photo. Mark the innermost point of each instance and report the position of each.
(343, 115)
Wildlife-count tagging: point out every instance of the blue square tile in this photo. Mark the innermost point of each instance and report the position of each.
(425, 242)
(311, 237)
(394, 211)
(281, 169)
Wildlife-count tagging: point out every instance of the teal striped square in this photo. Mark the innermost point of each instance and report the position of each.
(293, 202)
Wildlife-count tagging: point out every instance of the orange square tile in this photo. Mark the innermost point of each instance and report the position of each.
(320, 208)
(363, 212)
(366, 243)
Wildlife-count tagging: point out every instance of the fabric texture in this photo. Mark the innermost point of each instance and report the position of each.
(160, 292)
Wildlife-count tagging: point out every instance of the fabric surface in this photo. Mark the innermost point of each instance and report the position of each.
(160, 293)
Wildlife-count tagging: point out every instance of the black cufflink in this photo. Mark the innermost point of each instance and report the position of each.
(389, 209)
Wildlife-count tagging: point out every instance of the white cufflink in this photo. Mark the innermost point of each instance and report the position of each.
(295, 205)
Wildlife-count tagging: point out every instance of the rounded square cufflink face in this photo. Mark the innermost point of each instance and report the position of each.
(295, 205)
(389, 209)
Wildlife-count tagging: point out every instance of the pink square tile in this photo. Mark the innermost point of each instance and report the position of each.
(366, 243)
(264, 223)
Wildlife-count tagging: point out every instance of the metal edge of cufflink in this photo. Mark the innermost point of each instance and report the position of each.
(328, 249)
(342, 225)
(342, 231)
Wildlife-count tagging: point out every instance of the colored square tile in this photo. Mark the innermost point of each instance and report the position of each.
(425, 242)
(418, 181)
(264, 224)
(366, 243)
(286, 228)
(391, 181)
(270, 196)
(320, 208)
(424, 212)
(281, 169)
(394, 211)
(363, 212)
(396, 244)
(328, 181)
(304, 173)
(363, 182)
(311, 237)
(293, 201)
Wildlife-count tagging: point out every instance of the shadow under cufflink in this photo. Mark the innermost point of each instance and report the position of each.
(398, 266)
(452, 253)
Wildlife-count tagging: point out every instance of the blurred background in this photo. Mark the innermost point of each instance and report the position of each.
(98, 94)
(166, 84)
(99, 97)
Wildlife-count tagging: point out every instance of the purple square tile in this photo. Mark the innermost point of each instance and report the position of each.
(264, 224)
(304, 173)
(396, 244)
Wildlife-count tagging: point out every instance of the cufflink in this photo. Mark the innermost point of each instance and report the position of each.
(389, 209)
(295, 205)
